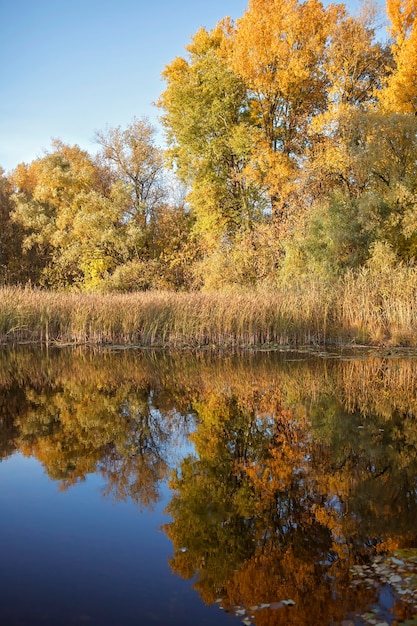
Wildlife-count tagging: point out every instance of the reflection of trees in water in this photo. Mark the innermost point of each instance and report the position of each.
(135, 464)
(300, 494)
(77, 430)
(261, 515)
(79, 415)
(301, 469)
(10, 403)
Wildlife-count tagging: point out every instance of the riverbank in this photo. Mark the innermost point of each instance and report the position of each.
(354, 311)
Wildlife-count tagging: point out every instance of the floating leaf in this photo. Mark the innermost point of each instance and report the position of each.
(276, 605)
(395, 578)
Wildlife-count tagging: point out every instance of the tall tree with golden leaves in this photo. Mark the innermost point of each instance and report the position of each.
(357, 62)
(400, 94)
(278, 50)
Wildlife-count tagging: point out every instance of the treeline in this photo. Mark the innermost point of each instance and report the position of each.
(292, 139)
(72, 220)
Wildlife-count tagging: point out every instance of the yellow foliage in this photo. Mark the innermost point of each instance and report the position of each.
(356, 63)
(278, 50)
(402, 15)
(94, 270)
(400, 93)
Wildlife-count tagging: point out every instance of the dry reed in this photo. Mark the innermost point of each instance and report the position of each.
(358, 309)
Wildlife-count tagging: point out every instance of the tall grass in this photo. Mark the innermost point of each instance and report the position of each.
(358, 309)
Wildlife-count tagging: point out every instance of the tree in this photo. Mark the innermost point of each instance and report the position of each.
(137, 163)
(260, 120)
(86, 217)
(46, 201)
(204, 116)
(356, 63)
(368, 195)
(400, 94)
(14, 267)
(278, 49)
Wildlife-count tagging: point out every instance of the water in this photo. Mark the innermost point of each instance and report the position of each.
(76, 557)
(154, 489)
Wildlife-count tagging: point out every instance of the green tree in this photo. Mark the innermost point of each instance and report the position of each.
(204, 115)
(368, 195)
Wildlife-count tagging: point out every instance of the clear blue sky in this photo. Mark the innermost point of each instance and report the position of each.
(71, 67)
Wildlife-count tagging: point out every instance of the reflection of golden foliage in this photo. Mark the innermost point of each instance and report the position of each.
(376, 382)
(289, 443)
(270, 578)
(303, 465)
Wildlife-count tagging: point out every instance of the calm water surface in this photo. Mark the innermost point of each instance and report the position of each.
(154, 489)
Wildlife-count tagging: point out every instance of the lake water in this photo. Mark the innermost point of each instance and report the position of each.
(143, 488)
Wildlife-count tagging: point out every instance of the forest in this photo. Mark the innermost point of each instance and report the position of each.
(291, 157)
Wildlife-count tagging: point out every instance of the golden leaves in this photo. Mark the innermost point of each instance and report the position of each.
(402, 15)
(400, 93)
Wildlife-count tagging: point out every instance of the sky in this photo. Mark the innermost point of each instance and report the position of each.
(73, 67)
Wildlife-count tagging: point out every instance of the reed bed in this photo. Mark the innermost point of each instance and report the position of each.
(357, 310)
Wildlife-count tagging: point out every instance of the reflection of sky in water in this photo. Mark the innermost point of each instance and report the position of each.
(76, 557)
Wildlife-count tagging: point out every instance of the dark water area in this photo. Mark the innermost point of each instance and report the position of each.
(269, 488)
